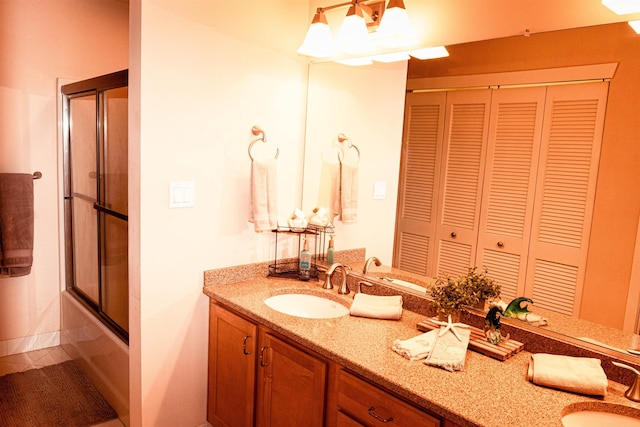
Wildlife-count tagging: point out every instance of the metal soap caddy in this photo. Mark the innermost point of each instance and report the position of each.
(290, 268)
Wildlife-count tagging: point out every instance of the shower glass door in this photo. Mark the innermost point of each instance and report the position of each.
(95, 159)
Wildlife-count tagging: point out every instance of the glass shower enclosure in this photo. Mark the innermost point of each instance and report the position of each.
(95, 196)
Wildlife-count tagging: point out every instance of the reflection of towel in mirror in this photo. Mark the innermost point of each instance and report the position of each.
(16, 224)
(377, 306)
(583, 375)
(329, 195)
(450, 352)
(264, 195)
(416, 348)
(349, 192)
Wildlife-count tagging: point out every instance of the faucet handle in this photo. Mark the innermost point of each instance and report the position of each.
(633, 393)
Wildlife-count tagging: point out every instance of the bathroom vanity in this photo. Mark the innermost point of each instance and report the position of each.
(270, 368)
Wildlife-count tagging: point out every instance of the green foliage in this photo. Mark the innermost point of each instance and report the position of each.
(452, 294)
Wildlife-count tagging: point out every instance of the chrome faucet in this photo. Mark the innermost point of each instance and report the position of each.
(633, 393)
(344, 289)
(367, 264)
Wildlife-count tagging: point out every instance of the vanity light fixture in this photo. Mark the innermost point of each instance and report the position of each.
(635, 25)
(395, 28)
(623, 7)
(318, 41)
(353, 37)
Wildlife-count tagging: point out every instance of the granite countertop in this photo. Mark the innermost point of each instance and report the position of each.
(487, 393)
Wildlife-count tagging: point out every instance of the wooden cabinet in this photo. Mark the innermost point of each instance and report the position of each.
(232, 367)
(256, 378)
(291, 385)
(259, 378)
(362, 404)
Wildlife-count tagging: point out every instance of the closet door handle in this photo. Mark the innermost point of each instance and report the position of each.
(500, 244)
(244, 345)
(372, 412)
(262, 358)
(454, 234)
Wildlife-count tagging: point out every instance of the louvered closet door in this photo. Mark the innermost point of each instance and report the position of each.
(420, 169)
(570, 151)
(509, 185)
(464, 149)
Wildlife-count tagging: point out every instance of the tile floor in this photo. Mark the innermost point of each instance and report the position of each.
(37, 359)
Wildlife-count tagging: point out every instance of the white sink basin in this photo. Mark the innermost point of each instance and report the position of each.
(599, 419)
(306, 305)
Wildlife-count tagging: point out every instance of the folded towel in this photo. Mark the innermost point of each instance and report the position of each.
(449, 352)
(583, 375)
(16, 224)
(264, 195)
(349, 192)
(416, 348)
(376, 306)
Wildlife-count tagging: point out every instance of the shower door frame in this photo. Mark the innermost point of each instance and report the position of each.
(96, 87)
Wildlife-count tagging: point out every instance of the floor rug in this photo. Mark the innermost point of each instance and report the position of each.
(56, 395)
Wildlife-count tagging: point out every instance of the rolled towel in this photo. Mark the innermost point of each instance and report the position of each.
(450, 352)
(416, 348)
(583, 375)
(376, 306)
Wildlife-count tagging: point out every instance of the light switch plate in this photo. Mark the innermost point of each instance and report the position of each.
(181, 194)
(379, 190)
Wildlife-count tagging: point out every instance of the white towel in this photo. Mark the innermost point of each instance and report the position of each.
(416, 348)
(329, 194)
(264, 195)
(349, 192)
(376, 306)
(450, 352)
(583, 375)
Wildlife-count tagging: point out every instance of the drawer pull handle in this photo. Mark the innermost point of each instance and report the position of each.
(372, 412)
(244, 345)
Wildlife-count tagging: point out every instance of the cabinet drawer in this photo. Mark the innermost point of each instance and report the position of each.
(374, 407)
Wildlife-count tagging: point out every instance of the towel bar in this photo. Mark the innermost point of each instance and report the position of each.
(37, 175)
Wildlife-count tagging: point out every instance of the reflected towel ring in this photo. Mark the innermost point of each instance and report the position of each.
(341, 139)
(256, 130)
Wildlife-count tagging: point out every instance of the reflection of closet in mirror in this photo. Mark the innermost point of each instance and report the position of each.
(502, 179)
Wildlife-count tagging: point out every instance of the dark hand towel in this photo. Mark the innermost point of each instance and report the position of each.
(16, 224)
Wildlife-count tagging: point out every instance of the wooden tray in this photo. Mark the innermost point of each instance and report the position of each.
(478, 342)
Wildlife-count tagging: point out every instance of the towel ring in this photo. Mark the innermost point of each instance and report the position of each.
(341, 139)
(256, 130)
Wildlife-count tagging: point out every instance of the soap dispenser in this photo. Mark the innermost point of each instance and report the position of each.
(330, 251)
(305, 262)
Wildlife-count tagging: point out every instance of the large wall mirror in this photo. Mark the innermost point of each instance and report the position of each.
(335, 92)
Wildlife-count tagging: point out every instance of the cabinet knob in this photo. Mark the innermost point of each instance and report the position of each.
(500, 244)
(453, 234)
(244, 345)
(372, 412)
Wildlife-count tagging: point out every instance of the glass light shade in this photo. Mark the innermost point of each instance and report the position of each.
(319, 40)
(391, 57)
(395, 28)
(353, 37)
(623, 7)
(429, 52)
(635, 25)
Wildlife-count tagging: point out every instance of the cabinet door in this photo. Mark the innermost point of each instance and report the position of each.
(463, 157)
(419, 181)
(232, 364)
(291, 385)
(509, 184)
(569, 156)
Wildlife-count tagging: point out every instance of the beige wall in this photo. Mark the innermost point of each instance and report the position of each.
(41, 41)
(617, 202)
